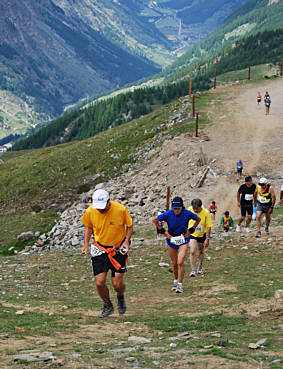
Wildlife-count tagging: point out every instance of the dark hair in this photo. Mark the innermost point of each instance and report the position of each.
(213, 202)
(226, 212)
(248, 178)
(196, 203)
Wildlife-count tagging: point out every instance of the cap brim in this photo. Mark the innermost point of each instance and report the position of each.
(99, 204)
(176, 207)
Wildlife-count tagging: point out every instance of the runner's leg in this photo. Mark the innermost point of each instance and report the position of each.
(173, 256)
(102, 289)
(267, 219)
(258, 220)
(118, 283)
(248, 221)
(193, 248)
(200, 252)
(180, 261)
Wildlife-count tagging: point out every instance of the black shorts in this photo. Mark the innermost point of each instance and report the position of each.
(246, 209)
(239, 170)
(101, 263)
(199, 239)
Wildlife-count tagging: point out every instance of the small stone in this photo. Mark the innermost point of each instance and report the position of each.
(173, 344)
(262, 342)
(76, 355)
(156, 363)
(130, 359)
(223, 343)
(208, 347)
(137, 339)
(244, 248)
(163, 264)
(20, 312)
(216, 335)
(253, 346)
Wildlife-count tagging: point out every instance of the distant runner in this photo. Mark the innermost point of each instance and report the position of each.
(281, 195)
(200, 238)
(240, 166)
(112, 227)
(213, 210)
(264, 200)
(267, 102)
(177, 237)
(258, 98)
(226, 221)
(245, 196)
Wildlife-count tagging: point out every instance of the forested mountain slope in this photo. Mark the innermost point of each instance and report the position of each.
(266, 47)
(255, 16)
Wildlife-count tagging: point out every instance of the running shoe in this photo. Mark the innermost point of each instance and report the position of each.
(258, 234)
(238, 228)
(107, 310)
(200, 270)
(121, 306)
(267, 231)
(179, 288)
(193, 273)
(174, 286)
(247, 229)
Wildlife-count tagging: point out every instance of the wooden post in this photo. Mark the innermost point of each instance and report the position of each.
(249, 74)
(281, 67)
(214, 79)
(193, 106)
(168, 198)
(190, 89)
(196, 124)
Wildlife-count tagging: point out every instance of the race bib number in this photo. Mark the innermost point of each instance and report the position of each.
(249, 197)
(199, 228)
(95, 251)
(262, 200)
(178, 240)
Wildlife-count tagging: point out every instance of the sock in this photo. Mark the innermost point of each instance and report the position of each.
(180, 283)
(175, 281)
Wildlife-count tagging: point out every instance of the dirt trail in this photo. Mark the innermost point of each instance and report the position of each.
(244, 132)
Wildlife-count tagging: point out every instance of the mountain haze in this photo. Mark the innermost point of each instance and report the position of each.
(54, 53)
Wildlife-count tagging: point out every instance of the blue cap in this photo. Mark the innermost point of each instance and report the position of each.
(177, 203)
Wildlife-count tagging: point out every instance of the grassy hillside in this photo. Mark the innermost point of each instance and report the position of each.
(51, 178)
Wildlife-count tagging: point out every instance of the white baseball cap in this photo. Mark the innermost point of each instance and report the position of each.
(99, 199)
(263, 181)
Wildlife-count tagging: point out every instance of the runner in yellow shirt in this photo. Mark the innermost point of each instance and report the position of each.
(200, 238)
(112, 227)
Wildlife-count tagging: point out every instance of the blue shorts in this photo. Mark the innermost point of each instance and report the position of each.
(173, 246)
(263, 207)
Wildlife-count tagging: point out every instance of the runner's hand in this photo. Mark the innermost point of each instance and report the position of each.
(84, 249)
(206, 243)
(270, 210)
(126, 244)
(239, 205)
(167, 235)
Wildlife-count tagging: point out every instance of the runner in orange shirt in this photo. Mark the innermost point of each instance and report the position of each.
(112, 227)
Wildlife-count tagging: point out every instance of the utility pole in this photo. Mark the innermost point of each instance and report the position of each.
(193, 106)
(249, 74)
(196, 124)
(215, 79)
